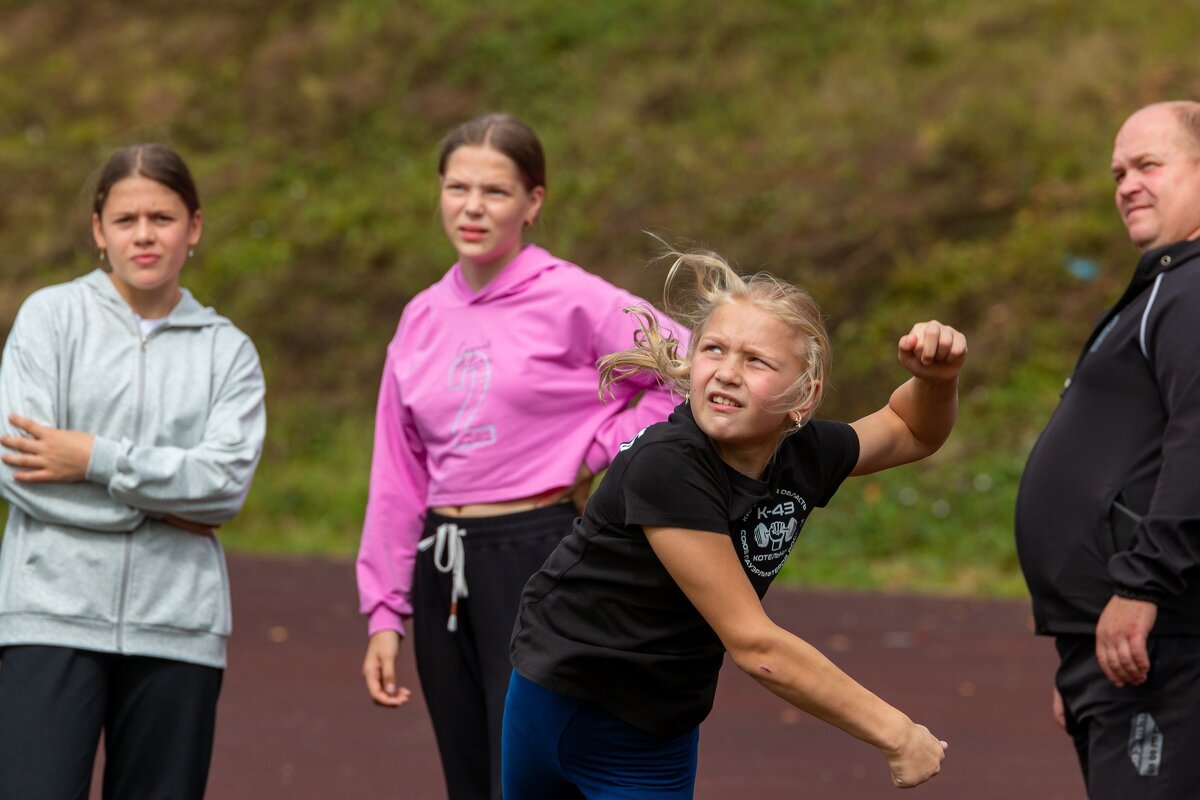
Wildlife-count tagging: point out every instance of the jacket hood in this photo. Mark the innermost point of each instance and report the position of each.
(187, 313)
(531, 262)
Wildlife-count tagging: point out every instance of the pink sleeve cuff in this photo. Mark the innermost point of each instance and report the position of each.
(384, 619)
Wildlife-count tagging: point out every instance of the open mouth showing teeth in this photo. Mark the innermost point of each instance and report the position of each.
(724, 401)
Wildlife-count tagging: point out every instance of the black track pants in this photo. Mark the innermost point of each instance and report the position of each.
(1137, 741)
(464, 675)
(157, 715)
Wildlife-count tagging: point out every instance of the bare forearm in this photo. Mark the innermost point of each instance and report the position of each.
(928, 408)
(798, 673)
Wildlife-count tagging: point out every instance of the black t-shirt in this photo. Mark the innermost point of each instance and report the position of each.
(604, 622)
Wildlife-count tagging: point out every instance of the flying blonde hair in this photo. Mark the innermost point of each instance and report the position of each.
(715, 283)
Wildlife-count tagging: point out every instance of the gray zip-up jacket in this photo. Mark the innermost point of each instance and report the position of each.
(179, 423)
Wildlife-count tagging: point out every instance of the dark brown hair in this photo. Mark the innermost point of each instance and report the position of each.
(154, 161)
(505, 133)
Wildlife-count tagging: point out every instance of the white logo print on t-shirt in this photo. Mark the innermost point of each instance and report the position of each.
(768, 533)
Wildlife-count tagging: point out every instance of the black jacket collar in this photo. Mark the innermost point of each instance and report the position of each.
(1161, 259)
(1151, 264)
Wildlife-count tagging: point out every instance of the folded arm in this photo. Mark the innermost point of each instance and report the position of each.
(29, 392)
(206, 483)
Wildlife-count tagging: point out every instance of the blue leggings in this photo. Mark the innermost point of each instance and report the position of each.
(555, 748)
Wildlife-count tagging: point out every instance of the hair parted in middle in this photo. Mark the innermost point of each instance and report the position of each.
(715, 283)
(506, 134)
(152, 160)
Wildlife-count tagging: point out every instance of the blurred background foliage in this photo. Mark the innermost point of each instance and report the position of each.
(904, 159)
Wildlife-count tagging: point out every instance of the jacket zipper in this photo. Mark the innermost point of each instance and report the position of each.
(137, 437)
(1137, 286)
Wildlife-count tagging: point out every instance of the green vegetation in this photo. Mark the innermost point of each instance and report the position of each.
(905, 159)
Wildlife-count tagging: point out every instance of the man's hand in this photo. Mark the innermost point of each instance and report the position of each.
(1121, 640)
(47, 454)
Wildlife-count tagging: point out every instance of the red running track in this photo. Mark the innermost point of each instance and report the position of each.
(295, 722)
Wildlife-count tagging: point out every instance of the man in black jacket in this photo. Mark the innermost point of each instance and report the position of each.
(1108, 512)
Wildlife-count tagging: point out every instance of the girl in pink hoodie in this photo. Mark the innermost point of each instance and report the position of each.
(488, 432)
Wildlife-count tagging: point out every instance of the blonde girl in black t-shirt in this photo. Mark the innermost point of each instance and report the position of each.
(622, 632)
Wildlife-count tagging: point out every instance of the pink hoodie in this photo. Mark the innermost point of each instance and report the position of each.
(492, 396)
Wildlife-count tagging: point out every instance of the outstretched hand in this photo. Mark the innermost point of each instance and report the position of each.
(932, 351)
(917, 759)
(47, 454)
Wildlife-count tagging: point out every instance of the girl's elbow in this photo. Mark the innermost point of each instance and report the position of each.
(923, 444)
(752, 655)
(924, 449)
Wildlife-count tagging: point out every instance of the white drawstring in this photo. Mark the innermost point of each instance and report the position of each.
(449, 555)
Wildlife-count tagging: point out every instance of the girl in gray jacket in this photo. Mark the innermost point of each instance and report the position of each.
(132, 421)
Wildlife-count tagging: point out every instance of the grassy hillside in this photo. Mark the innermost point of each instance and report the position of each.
(904, 160)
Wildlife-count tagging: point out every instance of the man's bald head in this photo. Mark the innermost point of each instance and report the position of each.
(1156, 165)
(1187, 112)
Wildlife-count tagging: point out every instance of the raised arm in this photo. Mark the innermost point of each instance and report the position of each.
(921, 412)
(706, 568)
